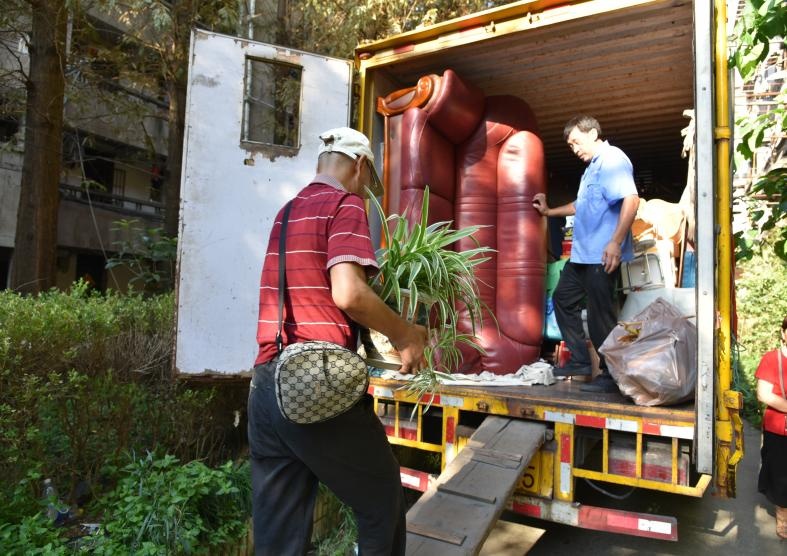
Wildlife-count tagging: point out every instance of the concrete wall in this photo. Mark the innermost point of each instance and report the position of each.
(10, 179)
(137, 186)
(118, 116)
(79, 226)
(137, 182)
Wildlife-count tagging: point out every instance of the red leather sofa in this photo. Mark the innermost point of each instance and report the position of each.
(483, 162)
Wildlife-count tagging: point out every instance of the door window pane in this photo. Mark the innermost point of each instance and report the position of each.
(271, 103)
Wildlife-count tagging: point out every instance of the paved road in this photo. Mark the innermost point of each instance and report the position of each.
(738, 527)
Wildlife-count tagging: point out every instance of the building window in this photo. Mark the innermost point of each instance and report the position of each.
(119, 182)
(92, 269)
(5, 266)
(9, 126)
(271, 103)
(99, 171)
(156, 182)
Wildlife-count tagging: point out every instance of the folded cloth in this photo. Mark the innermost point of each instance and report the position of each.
(539, 372)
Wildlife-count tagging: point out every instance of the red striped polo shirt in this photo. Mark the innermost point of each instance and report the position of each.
(327, 225)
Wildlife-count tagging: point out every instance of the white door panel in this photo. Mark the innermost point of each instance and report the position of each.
(231, 192)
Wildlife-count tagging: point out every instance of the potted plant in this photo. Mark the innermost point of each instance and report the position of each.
(425, 280)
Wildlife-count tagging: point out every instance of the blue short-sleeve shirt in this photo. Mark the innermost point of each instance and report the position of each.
(607, 180)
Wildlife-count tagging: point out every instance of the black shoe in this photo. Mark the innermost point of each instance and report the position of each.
(603, 384)
(573, 369)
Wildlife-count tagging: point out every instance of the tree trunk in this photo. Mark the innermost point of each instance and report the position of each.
(33, 263)
(183, 14)
(176, 120)
(282, 11)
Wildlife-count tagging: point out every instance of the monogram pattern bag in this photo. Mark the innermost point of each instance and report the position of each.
(314, 381)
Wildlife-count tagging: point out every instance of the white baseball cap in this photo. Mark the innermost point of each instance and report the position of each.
(352, 143)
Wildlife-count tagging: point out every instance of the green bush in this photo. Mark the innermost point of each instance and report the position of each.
(159, 507)
(32, 532)
(33, 536)
(147, 253)
(85, 379)
(163, 507)
(761, 305)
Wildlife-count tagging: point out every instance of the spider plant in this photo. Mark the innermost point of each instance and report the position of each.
(418, 257)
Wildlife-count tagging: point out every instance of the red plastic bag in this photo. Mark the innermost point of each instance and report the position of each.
(653, 357)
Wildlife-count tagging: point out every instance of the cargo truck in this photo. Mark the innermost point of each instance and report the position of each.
(634, 64)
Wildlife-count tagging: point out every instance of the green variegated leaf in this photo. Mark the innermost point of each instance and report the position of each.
(420, 257)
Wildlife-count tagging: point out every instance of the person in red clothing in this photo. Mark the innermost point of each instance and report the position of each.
(329, 259)
(771, 376)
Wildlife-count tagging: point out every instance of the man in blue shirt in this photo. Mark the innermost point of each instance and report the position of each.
(603, 211)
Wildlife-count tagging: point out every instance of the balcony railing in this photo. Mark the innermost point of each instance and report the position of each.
(126, 205)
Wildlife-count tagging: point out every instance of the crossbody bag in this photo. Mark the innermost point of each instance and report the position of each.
(315, 381)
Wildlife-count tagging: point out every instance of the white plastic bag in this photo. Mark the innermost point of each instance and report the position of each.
(653, 357)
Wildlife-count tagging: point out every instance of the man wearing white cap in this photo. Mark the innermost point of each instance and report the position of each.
(329, 259)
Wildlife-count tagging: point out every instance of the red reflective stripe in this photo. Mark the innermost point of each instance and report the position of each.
(651, 428)
(403, 49)
(650, 471)
(471, 29)
(591, 421)
(430, 399)
(565, 448)
(625, 521)
(404, 432)
(450, 430)
(370, 390)
(421, 477)
(533, 510)
(616, 521)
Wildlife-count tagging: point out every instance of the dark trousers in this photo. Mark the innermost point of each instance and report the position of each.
(350, 454)
(589, 284)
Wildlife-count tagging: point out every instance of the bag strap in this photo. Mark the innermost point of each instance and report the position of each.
(282, 273)
(781, 374)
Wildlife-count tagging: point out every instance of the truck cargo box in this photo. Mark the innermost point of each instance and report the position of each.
(635, 65)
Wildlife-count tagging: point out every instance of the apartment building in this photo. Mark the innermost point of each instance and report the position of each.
(114, 152)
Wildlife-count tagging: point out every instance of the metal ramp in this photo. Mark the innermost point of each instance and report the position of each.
(454, 516)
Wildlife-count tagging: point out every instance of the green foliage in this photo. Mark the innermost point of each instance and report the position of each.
(743, 381)
(33, 536)
(159, 506)
(163, 507)
(340, 540)
(760, 23)
(147, 253)
(767, 197)
(767, 208)
(419, 257)
(336, 28)
(84, 379)
(33, 533)
(164, 28)
(762, 304)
